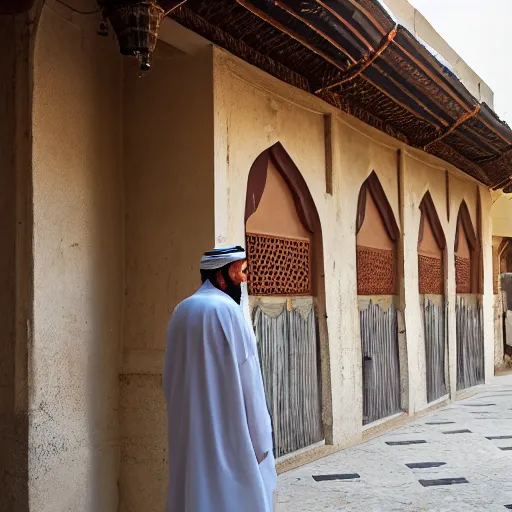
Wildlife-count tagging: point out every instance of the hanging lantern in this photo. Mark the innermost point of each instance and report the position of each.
(136, 25)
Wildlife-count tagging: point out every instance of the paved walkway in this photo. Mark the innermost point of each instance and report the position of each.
(470, 441)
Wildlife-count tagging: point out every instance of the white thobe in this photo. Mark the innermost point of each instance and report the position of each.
(216, 411)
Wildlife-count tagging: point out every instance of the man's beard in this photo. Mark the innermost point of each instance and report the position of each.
(232, 289)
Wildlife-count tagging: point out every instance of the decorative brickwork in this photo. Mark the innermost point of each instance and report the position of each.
(278, 266)
(375, 271)
(463, 274)
(430, 272)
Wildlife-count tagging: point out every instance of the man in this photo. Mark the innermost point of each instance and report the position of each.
(220, 438)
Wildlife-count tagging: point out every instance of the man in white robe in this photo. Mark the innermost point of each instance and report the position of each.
(219, 430)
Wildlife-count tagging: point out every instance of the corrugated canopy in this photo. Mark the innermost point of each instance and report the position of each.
(353, 55)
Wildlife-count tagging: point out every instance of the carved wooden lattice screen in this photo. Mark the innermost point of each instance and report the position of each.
(278, 266)
(463, 274)
(430, 275)
(375, 271)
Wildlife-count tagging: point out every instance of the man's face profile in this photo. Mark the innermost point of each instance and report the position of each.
(238, 272)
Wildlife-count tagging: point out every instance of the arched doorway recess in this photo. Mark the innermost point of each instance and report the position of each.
(431, 280)
(283, 237)
(377, 236)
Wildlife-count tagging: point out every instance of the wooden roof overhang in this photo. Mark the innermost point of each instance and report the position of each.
(353, 55)
(13, 7)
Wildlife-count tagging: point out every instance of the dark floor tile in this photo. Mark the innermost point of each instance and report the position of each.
(405, 443)
(342, 476)
(425, 465)
(439, 422)
(477, 405)
(506, 448)
(443, 481)
(498, 437)
(509, 507)
(463, 431)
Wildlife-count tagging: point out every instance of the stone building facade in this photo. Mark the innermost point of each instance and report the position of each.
(370, 258)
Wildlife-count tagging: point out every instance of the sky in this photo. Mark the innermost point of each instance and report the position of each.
(480, 31)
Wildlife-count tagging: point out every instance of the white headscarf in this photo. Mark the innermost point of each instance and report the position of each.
(222, 256)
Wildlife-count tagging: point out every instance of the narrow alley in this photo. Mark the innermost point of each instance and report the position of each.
(458, 458)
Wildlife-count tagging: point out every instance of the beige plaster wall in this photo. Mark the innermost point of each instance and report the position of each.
(254, 111)
(501, 214)
(169, 197)
(78, 266)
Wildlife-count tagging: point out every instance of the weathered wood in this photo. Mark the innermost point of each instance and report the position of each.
(435, 347)
(470, 342)
(287, 346)
(381, 364)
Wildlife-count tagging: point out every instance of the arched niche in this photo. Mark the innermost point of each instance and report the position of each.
(284, 254)
(468, 308)
(377, 235)
(431, 249)
(466, 253)
(431, 282)
(282, 228)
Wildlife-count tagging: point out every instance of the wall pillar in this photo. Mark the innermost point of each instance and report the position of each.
(488, 292)
(16, 263)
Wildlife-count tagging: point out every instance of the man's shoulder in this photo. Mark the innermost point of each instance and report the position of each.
(208, 303)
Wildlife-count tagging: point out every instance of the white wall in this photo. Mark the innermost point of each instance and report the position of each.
(78, 266)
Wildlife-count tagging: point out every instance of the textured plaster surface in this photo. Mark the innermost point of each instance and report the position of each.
(169, 194)
(143, 422)
(386, 484)
(502, 216)
(78, 272)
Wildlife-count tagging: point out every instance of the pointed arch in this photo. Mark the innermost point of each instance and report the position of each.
(466, 258)
(431, 283)
(373, 186)
(428, 210)
(303, 200)
(311, 254)
(431, 249)
(464, 221)
(377, 237)
(285, 259)
(376, 240)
